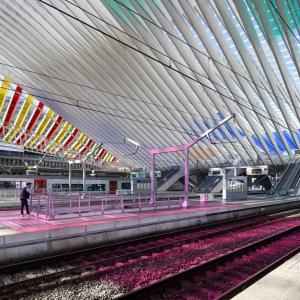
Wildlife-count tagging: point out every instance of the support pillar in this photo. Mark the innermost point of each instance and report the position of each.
(186, 202)
(83, 176)
(70, 177)
(153, 191)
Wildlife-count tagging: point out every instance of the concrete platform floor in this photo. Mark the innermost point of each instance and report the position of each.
(281, 284)
(11, 220)
(34, 237)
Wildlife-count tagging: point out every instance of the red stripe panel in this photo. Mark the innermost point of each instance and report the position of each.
(12, 107)
(102, 153)
(54, 127)
(35, 117)
(71, 138)
(114, 159)
(52, 131)
(41, 145)
(88, 145)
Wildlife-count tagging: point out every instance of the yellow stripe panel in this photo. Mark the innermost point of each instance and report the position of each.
(22, 115)
(3, 91)
(108, 157)
(80, 142)
(62, 134)
(45, 123)
(43, 126)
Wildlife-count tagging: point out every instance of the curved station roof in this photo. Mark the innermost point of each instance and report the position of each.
(163, 72)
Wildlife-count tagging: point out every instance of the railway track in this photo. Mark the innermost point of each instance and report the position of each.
(225, 276)
(30, 275)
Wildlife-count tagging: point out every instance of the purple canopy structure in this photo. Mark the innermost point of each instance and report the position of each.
(184, 148)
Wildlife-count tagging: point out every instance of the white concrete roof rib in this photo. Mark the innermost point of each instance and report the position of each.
(180, 68)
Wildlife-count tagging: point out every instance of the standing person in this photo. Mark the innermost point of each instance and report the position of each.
(25, 194)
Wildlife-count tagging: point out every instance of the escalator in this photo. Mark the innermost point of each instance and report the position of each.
(211, 187)
(171, 172)
(209, 184)
(294, 188)
(204, 183)
(283, 177)
(290, 179)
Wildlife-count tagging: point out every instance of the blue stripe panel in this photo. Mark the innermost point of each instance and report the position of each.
(212, 132)
(191, 129)
(279, 142)
(269, 144)
(227, 127)
(199, 129)
(290, 140)
(242, 135)
(257, 142)
(219, 129)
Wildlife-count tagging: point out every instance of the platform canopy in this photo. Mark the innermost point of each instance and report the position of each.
(162, 72)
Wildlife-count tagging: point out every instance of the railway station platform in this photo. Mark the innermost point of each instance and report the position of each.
(34, 237)
(282, 283)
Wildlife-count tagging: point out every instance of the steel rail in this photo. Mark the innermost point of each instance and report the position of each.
(254, 278)
(107, 262)
(177, 278)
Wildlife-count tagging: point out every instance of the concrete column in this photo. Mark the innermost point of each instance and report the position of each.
(186, 202)
(70, 177)
(153, 191)
(83, 175)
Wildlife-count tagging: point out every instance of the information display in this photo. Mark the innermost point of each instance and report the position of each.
(236, 186)
(256, 171)
(143, 185)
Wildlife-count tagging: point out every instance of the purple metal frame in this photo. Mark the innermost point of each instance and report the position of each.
(184, 148)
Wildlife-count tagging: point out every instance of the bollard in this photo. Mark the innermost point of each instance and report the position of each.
(180, 198)
(133, 197)
(140, 202)
(0, 194)
(5, 193)
(106, 199)
(122, 203)
(169, 200)
(146, 196)
(79, 212)
(15, 194)
(52, 209)
(38, 207)
(102, 205)
(70, 199)
(89, 198)
(47, 207)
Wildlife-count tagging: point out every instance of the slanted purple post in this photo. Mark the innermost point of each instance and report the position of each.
(184, 148)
